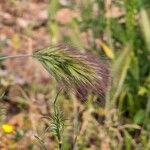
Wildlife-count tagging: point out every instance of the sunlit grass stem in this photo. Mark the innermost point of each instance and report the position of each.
(15, 56)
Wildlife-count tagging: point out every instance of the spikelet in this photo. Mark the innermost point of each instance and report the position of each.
(82, 72)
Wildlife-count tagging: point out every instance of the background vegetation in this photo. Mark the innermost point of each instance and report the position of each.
(35, 113)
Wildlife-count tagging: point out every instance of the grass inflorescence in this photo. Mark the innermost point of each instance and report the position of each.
(72, 68)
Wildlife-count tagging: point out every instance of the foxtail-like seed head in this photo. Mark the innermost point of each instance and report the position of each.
(72, 68)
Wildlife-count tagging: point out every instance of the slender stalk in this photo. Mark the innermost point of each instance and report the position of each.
(58, 121)
(75, 123)
(15, 56)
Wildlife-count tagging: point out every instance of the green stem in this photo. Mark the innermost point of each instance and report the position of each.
(15, 56)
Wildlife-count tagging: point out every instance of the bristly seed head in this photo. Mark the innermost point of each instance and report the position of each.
(74, 69)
